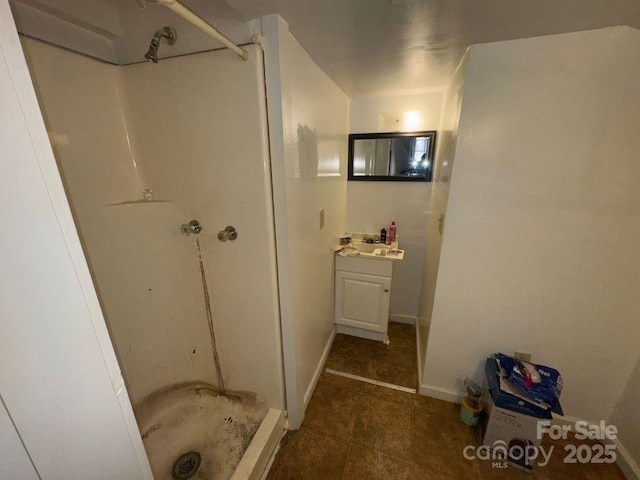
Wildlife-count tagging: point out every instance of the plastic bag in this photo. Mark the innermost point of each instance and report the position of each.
(549, 388)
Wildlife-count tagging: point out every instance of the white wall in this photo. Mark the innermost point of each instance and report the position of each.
(203, 152)
(59, 379)
(540, 247)
(73, 88)
(201, 138)
(396, 113)
(445, 156)
(308, 123)
(15, 458)
(373, 205)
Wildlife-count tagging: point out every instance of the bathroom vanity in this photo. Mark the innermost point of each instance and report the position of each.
(363, 289)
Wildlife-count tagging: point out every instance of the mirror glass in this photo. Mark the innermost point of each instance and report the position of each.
(392, 156)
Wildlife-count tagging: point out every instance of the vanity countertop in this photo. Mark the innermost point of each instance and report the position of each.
(374, 251)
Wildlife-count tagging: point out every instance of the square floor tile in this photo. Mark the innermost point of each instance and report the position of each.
(557, 469)
(438, 443)
(347, 364)
(434, 405)
(424, 473)
(312, 456)
(352, 346)
(489, 470)
(396, 352)
(342, 382)
(402, 375)
(332, 411)
(402, 332)
(383, 426)
(367, 465)
(389, 394)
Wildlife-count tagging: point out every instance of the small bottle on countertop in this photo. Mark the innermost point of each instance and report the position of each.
(392, 233)
(383, 235)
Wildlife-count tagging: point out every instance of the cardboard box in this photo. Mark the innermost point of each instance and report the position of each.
(512, 421)
(507, 429)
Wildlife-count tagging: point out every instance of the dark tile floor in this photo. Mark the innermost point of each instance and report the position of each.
(394, 363)
(354, 430)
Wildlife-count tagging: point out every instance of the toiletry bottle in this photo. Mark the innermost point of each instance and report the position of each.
(392, 233)
(471, 408)
(383, 235)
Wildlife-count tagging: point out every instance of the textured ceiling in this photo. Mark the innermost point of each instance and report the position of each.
(373, 47)
(368, 47)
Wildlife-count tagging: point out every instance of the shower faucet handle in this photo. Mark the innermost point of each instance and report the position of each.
(229, 233)
(193, 226)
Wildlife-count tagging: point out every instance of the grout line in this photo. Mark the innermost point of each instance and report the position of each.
(324, 434)
(413, 436)
(351, 443)
(346, 462)
(354, 443)
(373, 382)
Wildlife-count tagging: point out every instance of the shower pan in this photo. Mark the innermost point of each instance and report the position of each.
(195, 431)
(193, 318)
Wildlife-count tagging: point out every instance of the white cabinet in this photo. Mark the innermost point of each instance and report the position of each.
(363, 290)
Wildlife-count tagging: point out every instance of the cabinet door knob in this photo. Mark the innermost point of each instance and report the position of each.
(386, 289)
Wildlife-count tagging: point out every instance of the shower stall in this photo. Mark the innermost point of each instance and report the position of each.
(162, 163)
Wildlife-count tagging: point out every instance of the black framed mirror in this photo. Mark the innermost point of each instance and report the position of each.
(392, 156)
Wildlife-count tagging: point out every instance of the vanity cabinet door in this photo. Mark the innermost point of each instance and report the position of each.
(362, 300)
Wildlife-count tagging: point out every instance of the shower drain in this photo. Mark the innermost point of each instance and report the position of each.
(186, 466)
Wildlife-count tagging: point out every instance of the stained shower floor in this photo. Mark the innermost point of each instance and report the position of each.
(196, 417)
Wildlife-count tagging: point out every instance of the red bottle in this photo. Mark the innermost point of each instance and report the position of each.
(392, 233)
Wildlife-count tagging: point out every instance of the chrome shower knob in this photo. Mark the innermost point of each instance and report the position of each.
(193, 226)
(229, 233)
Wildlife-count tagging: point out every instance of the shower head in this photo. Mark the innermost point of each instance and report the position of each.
(166, 32)
(152, 53)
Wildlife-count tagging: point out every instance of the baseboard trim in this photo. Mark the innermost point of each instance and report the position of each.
(418, 352)
(362, 332)
(626, 462)
(445, 394)
(319, 367)
(407, 319)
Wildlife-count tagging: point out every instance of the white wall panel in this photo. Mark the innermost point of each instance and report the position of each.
(308, 121)
(199, 142)
(540, 247)
(16, 463)
(59, 379)
(373, 205)
(445, 156)
(198, 125)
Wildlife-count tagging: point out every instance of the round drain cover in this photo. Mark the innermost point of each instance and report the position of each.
(186, 466)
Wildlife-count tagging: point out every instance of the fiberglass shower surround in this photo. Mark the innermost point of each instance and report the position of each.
(146, 272)
(165, 295)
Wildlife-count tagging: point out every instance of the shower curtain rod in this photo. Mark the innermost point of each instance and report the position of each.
(196, 20)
